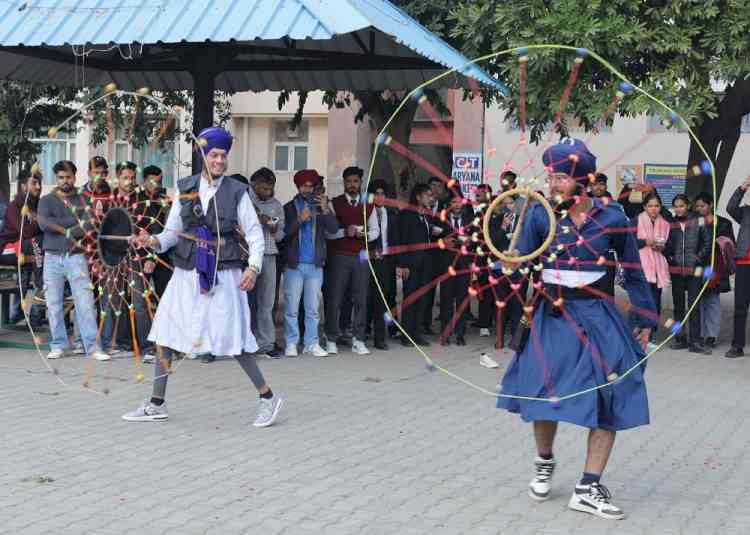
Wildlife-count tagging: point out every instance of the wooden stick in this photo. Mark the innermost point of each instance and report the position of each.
(118, 237)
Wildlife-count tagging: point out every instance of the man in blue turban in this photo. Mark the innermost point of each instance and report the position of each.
(204, 308)
(570, 157)
(580, 363)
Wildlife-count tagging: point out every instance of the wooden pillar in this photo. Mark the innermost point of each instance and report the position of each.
(204, 73)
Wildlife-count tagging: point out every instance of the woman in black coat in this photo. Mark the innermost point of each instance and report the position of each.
(689, 248)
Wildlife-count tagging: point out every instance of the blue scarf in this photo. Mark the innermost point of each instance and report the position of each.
(205, 259)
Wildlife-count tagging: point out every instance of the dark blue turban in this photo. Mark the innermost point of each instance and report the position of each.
(570, 156)
(215, 137)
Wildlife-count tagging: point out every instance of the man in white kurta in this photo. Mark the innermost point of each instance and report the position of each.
(206, 311)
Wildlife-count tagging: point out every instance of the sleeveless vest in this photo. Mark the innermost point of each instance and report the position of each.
(348, 215)
(228, 197)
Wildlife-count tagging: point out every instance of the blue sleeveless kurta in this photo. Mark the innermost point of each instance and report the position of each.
(556, 361)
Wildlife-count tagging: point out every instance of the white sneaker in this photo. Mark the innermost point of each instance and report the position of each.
(331, 348)
(268, 410)
(55, 354)
(147, 412)
(149, 358)
(78, 349)
(101, 355)
(487, 361)
(359, 347)
(540, 485)
(595, 499)
(484, 332)
(291, 350)
(315, 350)
(191, 356)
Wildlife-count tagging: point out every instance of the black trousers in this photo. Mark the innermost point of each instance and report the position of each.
(741, 303)
(690, 285)
(435, 266)
(486, 302)
(515, 300)
(385, 271)
(453, 291)
(412, 314)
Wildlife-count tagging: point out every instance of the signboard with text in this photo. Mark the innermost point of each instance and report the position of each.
(668, 179)
(467, 170)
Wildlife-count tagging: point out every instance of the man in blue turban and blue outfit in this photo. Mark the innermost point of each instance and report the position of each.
(578, 341)
(204, 308)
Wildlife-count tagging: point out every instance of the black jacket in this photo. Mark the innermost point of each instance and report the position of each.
(392, 228)
(691, 247)
(741, 214)
(290, 250)
(415, 229)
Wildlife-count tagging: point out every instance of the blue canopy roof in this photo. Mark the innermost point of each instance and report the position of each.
(258, 44)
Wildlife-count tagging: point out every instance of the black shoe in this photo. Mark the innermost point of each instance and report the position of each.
(699, 348)
(207, 359)
(734, 353)
(446, 342)
(679, 344)
(710, 341)
(421, 342)
(383, 346)
(428, 331)
(460, 341)
(274, 354)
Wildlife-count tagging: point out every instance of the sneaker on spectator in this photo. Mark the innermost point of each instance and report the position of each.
(291, 350)
(55, 354)
(332, 348)
(148, 358)
(273, 354)
(78, 349)
(359, 347)
(487, 361)
(147, 412)
(484, 332)
(315, 350)
(191, 356)
(268, 410)
(101, 355)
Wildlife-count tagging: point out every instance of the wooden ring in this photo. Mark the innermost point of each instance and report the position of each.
(529, 194)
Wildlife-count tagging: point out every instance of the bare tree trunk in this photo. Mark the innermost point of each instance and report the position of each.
(719, 136)
(4, 181)
(396, 169)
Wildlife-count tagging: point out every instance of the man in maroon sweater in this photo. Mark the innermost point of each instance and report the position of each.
(347, 268)
(21, 235)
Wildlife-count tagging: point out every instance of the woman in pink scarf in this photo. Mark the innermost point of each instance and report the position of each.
(653, 231)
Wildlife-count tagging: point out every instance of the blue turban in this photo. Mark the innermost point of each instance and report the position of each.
(570, 156)
(215, 137)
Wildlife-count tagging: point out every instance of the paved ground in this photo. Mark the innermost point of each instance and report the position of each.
(373, 445)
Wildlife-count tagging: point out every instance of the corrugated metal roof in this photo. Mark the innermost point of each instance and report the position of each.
(112, 31)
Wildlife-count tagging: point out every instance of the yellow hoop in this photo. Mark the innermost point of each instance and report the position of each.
(529, 194)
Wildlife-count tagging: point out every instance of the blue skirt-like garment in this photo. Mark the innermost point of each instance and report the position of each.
(556, 362)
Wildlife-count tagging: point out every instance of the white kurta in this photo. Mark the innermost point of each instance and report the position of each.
(217, 323)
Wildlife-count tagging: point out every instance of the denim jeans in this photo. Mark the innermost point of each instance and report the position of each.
(74, 269)
(307, 278)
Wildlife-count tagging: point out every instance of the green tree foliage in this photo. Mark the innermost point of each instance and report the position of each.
(24, 109)
(678, 50)
(379, 106)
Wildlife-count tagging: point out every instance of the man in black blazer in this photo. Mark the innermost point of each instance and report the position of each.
(418, 228)
(455, 289)
(384, 263)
